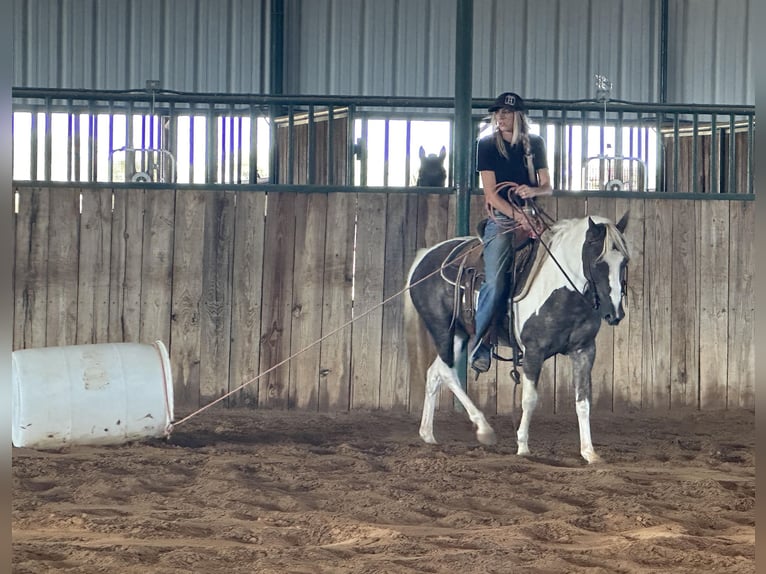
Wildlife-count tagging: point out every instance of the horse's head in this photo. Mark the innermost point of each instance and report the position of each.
(605, 259)
(432, 172)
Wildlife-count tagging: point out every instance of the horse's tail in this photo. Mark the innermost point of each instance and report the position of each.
(420, 348)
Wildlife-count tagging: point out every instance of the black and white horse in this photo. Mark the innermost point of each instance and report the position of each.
(432, 172)
(580, 283)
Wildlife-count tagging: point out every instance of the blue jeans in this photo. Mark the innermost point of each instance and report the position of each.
(498, 258)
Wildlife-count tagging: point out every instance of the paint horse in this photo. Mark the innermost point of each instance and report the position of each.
(578, 281)
(432, 172)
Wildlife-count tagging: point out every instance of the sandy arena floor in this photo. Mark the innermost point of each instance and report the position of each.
(285, 492)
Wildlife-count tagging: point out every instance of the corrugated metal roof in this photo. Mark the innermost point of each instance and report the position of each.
(548, 49)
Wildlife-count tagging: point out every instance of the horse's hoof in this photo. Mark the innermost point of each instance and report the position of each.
(593, 458)
(487, 437)
(523, 452)
(429, 439)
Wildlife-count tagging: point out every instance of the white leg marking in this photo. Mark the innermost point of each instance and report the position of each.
(433, 382)
(528, 405)
(583, 418)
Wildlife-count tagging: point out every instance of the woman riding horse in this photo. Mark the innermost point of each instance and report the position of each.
(513, 168)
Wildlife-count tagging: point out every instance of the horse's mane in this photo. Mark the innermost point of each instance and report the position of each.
(567, 230)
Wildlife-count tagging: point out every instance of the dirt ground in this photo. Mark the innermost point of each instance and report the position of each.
(289, 492)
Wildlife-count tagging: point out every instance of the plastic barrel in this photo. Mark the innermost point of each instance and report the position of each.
(90, 394)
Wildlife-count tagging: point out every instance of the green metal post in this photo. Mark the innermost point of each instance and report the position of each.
(463, 95)
(463, 147)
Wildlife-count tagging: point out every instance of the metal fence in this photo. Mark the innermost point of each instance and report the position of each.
(329, 142)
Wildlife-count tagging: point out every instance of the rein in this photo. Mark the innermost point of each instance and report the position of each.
(536, 209)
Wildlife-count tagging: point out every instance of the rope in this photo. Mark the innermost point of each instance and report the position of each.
(291, 357)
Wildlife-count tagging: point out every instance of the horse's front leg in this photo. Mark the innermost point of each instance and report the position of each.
(528, 405)
(582, 363)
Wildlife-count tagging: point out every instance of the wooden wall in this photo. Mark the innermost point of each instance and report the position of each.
(236, 282)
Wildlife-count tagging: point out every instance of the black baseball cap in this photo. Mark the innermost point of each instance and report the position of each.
(508, 100)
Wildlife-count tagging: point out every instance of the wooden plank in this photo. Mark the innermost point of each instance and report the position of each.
(741, 353)
(684, 311)
(602, 375)
(247, 282)
(568, 207)
(714, 320)
(422, 355)
(94, 260)
(188, 245)
(367, 330)
(277, 299)
(628, 335)
(657, 291)
(215, 305)
(63, 238)
(335, 350)
(310, 233)
(31, 269)
(125, 267)
(400, 248)
(157, 265)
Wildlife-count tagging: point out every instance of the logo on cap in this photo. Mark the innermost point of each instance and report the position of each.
(510, 100)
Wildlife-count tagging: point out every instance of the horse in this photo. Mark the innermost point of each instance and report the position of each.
(577, 281)
(432, 172)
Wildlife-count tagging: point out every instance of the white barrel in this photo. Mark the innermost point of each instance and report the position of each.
(90, 394)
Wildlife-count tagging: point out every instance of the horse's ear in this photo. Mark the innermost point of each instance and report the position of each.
(443, 153)
(592, 226)
(422, 153)
(623, 223)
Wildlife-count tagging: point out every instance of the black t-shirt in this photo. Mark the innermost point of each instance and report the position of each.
(512, 169)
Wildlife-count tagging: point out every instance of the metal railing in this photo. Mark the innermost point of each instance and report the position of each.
(329, 142)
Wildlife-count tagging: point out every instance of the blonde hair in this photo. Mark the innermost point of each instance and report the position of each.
(520, 133)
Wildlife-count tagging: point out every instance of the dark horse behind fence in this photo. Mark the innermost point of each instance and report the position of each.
(432, 172)
(576, 283)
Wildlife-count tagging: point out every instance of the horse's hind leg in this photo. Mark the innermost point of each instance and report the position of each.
(582, 363)
(433, 382)
(439, 372)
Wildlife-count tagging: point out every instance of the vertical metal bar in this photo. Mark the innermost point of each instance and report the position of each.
(92, 139)
(273, 156)
(290, 144)
(363, 152)
(695, 143)
(350, 145)
(661, 184)
(70, 143)
(211, 153)
(130, 158)
(48, 139)
(331, 175)
(715, 185)
(676, 151)
(584, 148)
(570, 157)
(408, 144)
(750, 154)
(232, 149)
(732, 156)
(311, 148)
(110, 143)
(145, 155)
(663, 71)
(253, 159)
(34, 145)
(386, 137)
(240, 159)
(191, 146)
(172, 144)
(463, 136)
(618, 172)
(221, 151)
(562, 165)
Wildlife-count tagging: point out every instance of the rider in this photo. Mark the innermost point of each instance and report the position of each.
(508, 179)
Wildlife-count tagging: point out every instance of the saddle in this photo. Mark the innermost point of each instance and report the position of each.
(464, 269)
